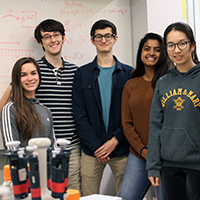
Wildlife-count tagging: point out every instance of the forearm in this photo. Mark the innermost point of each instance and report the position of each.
(6, 97)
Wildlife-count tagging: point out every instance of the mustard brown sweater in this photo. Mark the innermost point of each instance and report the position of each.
(136, 102)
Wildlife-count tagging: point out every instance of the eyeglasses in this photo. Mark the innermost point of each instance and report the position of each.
(99, 37)
(48, 37)
(181, 45)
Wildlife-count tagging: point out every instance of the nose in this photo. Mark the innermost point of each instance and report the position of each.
(53, 38)
(29, 77)
(152, 52)
(176, 48)
(103, 39)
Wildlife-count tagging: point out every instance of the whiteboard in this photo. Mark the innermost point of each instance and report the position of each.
(18, 19)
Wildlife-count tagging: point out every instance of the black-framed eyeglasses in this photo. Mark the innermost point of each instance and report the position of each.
(48, 37)
(99, 37)
(181, 45)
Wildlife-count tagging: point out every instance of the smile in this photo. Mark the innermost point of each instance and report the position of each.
(151, 59)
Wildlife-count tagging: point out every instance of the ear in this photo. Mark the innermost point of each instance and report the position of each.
(40, 43)
(193, 46)
(93, 42)
(116, 38)
(64, 38)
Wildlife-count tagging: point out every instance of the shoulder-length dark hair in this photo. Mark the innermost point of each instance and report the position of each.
(185, 28)
(26, 115)
(161, 67)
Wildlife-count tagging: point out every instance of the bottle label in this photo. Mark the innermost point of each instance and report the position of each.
(22, 174)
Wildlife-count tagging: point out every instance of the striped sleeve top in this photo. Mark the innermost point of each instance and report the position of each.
(55, 93)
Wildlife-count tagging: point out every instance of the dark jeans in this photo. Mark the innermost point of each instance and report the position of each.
(180, 183)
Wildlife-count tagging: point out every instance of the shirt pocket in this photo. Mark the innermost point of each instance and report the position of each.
(88, 92)
(178, 146)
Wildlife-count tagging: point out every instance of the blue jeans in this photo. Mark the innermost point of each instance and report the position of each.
(135, 182)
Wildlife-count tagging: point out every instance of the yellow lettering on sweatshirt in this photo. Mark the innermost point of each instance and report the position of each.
(180, 92)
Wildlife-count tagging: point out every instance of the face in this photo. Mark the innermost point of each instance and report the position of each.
(52, 42)
(29, 79)
(150, 53)
(180, 57)
(104, 46)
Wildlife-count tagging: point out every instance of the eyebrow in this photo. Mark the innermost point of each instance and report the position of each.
(31, 71)
(50, 34)
(152, 47)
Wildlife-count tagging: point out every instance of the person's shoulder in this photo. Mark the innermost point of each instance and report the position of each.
(9, 106)
(68, 64)
(40, 106)
(86, 66)
(125, 67)
(41, 60)
(133, 81)
(165, 77)
(121, 64)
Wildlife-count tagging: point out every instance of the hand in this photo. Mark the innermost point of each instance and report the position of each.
(155, 181)
(103, 152)
(100, 159)
(144, 153)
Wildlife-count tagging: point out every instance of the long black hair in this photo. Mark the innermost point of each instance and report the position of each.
(161, 67)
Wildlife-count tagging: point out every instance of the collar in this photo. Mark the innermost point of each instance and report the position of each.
(118, 65)
(34, 100)
(49, 64)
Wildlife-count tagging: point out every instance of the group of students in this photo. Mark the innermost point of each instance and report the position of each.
(142, 122)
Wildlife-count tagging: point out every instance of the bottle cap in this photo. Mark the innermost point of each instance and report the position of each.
(13, 144)
(6, 173)
(73, 194)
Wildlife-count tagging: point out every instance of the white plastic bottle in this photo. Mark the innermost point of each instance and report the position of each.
(8, 183)
(4, 191)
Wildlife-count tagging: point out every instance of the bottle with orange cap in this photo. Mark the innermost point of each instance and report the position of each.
(8, 182)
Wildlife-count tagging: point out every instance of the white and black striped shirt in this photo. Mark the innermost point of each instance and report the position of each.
(55, 93)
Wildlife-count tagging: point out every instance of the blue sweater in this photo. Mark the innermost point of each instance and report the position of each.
(87, 108)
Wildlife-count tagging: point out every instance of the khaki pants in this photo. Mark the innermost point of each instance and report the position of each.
(74, 177)
(92, 171)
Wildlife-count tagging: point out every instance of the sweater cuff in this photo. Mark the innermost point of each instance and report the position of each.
(142, 150)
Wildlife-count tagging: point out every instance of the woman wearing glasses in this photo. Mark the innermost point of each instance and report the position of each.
(174, 138)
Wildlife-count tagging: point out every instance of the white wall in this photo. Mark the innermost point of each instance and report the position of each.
(153, 16)
(139, 23)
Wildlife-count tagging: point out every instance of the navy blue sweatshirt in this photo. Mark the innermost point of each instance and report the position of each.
(174, 138)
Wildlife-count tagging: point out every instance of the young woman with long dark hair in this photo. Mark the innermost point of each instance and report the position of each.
(24, 117)
(152, 63)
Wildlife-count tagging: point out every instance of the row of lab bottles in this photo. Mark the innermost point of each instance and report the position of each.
(29, 181)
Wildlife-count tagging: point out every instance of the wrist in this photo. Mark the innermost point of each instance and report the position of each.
(140, 153)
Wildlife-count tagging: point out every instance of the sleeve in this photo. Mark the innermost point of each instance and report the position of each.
(52, 133)
(119, 132)
(154, 163)
(85, 130)
(127, 121)
(9, 129)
